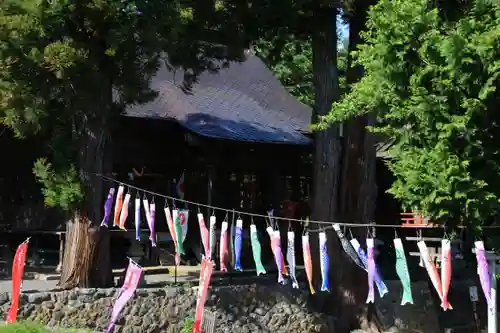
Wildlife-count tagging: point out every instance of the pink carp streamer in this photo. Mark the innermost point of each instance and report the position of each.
(118, 205)
(432, 270)
(124, 213)
(171, 227)
(223, 246)
(483, 272)
(278, 255)
(371, 270)
(205, 238)
(107, 208)
(445, 271)
(306, 250)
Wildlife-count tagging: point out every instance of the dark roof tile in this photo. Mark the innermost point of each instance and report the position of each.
(244, 102)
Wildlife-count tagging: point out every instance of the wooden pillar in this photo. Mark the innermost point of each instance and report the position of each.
(61, 251)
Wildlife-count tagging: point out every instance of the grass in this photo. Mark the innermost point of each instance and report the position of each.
(26, 327)
(188, 325)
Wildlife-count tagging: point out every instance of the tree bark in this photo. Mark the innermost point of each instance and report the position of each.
(86, 261)
(358, 186)
(327, 143)
(326, 156)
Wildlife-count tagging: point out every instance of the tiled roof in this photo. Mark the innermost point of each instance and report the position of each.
(244, 102)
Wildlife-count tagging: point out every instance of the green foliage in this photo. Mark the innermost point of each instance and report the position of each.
(69, 68)
(60, 188)
(188, 325)
(432, 83)
(293, 66)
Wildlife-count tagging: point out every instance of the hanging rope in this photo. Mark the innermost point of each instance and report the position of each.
(325, 224)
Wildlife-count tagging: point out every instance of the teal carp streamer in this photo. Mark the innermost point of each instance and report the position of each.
(256, 250)
(402, 271)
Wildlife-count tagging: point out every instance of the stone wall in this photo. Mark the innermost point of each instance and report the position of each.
(238, 309)
(419, 317)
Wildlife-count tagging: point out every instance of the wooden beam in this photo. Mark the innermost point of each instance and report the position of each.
(430, 239)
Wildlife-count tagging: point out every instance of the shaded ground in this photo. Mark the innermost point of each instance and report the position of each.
(186, 274)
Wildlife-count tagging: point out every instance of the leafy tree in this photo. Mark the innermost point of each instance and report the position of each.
(292, 64)
(290, 57)
(67, 71)
(431, 75)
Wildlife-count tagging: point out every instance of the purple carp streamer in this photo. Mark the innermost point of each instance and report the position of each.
(107, 208)
(238, 240)
(152, 235)
(137, 219)
(223, 246)
(290, 258)
(483, 271)
(382, 288)
(371, 270)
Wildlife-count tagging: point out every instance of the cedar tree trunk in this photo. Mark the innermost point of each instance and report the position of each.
(358, 187)
(86, 261)
(326, 155)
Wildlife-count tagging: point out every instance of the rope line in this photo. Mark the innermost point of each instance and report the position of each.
(328, 224)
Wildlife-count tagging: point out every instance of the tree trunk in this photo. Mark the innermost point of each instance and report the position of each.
(86, 261)
(327, 143)
(358, 187)
(326, 155)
